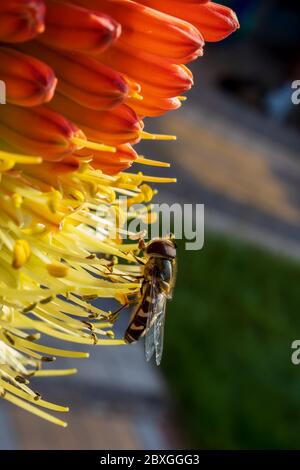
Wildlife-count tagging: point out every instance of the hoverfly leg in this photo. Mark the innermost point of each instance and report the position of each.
(113, 316)
(139, 261)
(164, 286)
(142, 244)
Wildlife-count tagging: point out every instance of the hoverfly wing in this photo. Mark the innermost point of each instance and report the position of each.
(149, 335)
(149, 343)
(159, 327)
(173, 281)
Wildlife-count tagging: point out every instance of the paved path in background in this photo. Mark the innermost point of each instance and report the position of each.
(117, 401)
(248, 180)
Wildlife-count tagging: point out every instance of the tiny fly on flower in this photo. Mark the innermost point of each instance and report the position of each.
(159, 275)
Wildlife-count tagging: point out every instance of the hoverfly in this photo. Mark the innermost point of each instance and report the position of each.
(148, 319)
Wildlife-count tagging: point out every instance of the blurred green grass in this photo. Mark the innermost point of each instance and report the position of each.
(228, 347)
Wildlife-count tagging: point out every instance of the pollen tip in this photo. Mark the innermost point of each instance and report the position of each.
(93, 145)
(147, 136)
(146, 161)
(58, 270)
(136, 96)
(40, 28)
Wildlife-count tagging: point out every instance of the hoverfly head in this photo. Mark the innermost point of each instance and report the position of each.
(161, 248)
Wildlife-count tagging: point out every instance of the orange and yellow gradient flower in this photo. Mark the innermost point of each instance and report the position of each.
(80, 76)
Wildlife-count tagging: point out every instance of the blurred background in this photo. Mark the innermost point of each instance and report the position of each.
(227, 381)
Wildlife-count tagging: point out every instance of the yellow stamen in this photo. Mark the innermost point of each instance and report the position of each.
(57, 270)
(17, 200)
(26, 396)
(121, 298)
(55, 198)
(147, 136)
(146, 161)
(48, 350)
(55, 372)
(33, 409)
(93, 145)
(147, 192)
(17, 158)
(156, 179)
(150, 218)
(77, 195)
(21, 253)
(136, 96)
(6, 165)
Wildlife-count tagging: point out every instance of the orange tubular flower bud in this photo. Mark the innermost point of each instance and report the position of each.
(29, 82)
(38, 131)
(152, 31)
(82, 78)
(74, 28)
(157, 75)
(114, 127)
(113, 163)
(215, 22)
(47, 173)
(21, 20)
(153, 106)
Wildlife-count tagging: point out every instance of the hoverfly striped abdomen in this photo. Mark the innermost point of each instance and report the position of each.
(138, 323)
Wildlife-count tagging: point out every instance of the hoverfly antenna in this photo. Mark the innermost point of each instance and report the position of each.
(172, 238)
